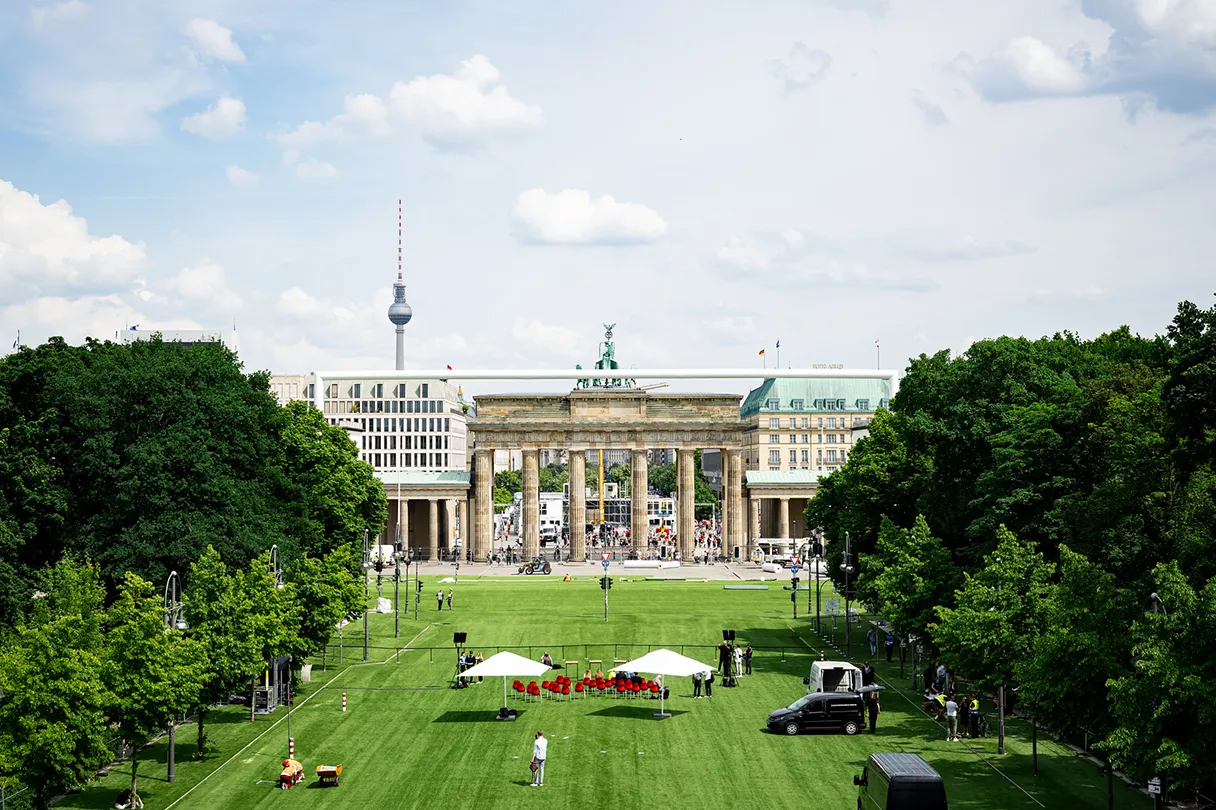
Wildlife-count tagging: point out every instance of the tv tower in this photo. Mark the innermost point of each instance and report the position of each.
(399, 312)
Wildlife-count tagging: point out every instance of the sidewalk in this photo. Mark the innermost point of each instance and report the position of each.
(733, 571)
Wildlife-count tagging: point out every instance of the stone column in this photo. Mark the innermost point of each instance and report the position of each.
(686, 498)
(531, 503)
(724, 504)
(578, 505)
(639, 518)
(738, 516)
(449, 518)
(754, 530)
(783, 519)
(483, 482)
(432, 540)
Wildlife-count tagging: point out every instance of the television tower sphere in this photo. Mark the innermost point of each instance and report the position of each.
(399, 312)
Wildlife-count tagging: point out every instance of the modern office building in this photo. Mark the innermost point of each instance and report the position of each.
(186, 337)
(807, 424)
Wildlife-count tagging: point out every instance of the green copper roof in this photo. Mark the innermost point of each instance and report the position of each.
(421, 478)
(873, 394)
(777, 477)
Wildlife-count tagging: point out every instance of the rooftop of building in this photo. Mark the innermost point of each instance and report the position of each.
(846, 395)
(787, 477)
(419, 478)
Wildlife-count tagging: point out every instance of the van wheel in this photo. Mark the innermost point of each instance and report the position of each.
(851, 728)
(547, 569)
(791, 728)
(528, 569)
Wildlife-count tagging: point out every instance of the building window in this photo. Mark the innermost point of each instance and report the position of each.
(409, 406)
(804, 423)
(818, 438)
(820, 422)
(447, 424)
(774, 423)
(774, 456)
(843, 457)
(831, 457)
(793, 457)
(863, 404)
(829, 404)
(806, 439)
(774, 469)
(793, 439)
(425, 390)
(773, 405)
(831, 438)
(773, 438)
(796, 405)
(831, 422)
(356, 391)
(805, 454)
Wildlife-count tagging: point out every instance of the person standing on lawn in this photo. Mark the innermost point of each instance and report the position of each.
(872, 637)
(449, 598)
(747, 660)
(872, 709)
(439, 598)
(696, 685)
(709, 684)
(951, 720)
(539, 751)
(867, 674)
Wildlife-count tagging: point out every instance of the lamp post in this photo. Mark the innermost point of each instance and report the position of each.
(817, 562)
(397, 593)
(276, 573)
(290, 746)
(846, 565)
(1156, 606)
(367, 559)
(175, 619)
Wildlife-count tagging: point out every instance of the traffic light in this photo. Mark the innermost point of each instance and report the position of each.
(379, 564)
(603, 583)
(609, 583)
(419, 586)
(794, 581)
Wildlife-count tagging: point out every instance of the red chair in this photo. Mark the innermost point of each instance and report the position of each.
(599, 686)
(637, 688)
(544, 684)
(620, 687)
(580, 689)
(654, 688)
(566, 691)
(534, 690)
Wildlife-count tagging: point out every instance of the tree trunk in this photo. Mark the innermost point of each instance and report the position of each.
(253, 697)
(202, 712)
(134, 767)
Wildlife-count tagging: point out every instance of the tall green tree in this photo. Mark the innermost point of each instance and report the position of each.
(324, 591)
(998, 614)
(273, 611)
(152, 674)
(910, 574)
(1164, 707)
(219, 618)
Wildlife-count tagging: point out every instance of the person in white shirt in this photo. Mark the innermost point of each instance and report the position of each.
(951, 720)
(738, 660)
(539, 750)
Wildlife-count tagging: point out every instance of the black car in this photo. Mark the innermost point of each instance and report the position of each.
(832, 711)
(536, 564)
(899, 782)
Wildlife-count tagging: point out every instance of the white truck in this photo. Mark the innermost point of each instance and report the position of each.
(833, 676)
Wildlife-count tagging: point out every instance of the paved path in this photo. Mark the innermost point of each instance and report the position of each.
(718, 571)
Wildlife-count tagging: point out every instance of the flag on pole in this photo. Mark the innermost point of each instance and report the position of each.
(449, 368)
(875, 341)
(778, 344)
(133, 328)
(762, 352)
(17, 342)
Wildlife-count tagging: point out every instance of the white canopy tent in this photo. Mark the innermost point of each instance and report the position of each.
(665, 662)
(506, 665)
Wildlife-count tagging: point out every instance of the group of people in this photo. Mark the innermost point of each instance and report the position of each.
(734, 660)
(439, 599)
(941, 697)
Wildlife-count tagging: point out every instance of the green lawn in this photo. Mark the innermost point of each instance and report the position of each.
(442, 748)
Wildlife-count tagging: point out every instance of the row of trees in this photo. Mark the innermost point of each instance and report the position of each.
(140, 456)
(79, 677)
(1043, 515)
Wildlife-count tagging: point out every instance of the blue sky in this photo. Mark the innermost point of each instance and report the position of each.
(711, 176)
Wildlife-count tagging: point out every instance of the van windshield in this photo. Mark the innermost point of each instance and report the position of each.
(917, 796)
(802, 702)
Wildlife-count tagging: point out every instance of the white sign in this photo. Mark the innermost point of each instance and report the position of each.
(1154, 785)
(604, 556)
(832, 607)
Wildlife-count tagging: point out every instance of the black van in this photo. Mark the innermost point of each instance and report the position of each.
(899, 782)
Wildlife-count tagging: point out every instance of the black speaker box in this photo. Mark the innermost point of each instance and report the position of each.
(459, 638)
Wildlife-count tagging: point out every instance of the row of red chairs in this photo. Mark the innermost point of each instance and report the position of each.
(563, 687)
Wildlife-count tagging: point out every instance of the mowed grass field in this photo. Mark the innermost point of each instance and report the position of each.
(407, 741)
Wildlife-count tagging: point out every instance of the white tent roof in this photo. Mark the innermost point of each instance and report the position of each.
(506, 664)
(664, 662)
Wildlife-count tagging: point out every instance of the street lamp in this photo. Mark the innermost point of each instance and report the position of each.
(817, 560)
(367, 561)
(175, 619)
(1157, 607)
(846, 565)
(276, 574)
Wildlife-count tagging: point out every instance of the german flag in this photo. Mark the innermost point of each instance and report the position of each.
(762, 352)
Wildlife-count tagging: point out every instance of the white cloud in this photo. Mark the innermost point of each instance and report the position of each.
(299, 304)
(214, 41)
(1158, 51)
(314, 171)
(933, 113)
(47, 247)
(74, 319)
(572, 217)
(241, 178)
(205, 283)
(42, 17)
(458, 111)
(735, 253)
(534, 338)
(223, 119)
(802, 68)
